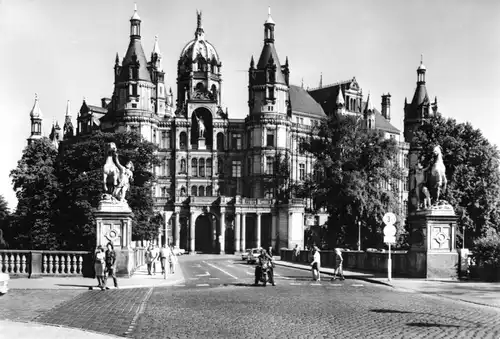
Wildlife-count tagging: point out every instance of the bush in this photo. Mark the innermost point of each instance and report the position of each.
(487, 255)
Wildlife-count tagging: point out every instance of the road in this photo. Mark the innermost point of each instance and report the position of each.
(217, 300)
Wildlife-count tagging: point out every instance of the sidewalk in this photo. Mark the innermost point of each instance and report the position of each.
(26, 330)
(139, 279)
(481, 293)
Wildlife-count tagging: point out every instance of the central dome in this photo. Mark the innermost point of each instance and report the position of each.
(199, 47)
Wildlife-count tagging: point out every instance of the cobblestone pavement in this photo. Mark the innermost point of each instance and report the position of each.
(218, 301)
(111, 312)
(26, 305)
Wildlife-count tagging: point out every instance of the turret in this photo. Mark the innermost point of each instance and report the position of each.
(369, 114)
(339, 102)
(36, 117)
(68, 125)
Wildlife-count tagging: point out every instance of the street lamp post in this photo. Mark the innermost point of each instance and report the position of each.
(359, 235)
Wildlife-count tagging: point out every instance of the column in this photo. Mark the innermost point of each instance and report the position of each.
(177, 230)
(159, 236)
(165, 228)
(257, 231)
(243, 231)
(273, 230)
(214, 234)
(237, 231)
(222, 239)
(191, 233)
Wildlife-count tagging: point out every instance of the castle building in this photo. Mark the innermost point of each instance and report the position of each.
(217, 185)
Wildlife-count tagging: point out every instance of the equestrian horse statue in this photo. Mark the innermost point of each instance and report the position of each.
(437, 178)
(110, 171)
(116, 177)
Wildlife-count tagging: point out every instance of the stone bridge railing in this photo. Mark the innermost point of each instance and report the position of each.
(32, 263)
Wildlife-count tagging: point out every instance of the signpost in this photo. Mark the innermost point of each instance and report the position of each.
(389, 237)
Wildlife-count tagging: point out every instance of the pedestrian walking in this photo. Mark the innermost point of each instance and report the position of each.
(338, 264)
(316, 264)
(155, 253)
(110, 265)
(163, 257)
(296, 253)
(99, 266)
(172, 260)
(149, 258)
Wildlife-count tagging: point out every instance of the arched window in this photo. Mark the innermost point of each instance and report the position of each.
(183, 166)
(220, 166)
(209, 191)
(194, 191)
(163, 191)
(201, 191)
(194, 167)
(220, 141)
(183, 191)
(209, 167)
(183, 140)
(202, 167)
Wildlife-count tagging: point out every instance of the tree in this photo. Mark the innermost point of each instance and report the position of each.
(37, 190)
(279, 181)
(4, 220)
(80, 163)
(472, 170)
(356, 177)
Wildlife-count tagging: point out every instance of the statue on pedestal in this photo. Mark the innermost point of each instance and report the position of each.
(430, 182)
(201, 126)
(116, 178)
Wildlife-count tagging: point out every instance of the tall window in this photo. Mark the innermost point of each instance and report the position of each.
(163, 191)
(194, 191)
(249, 166)
(405, 183)
(194, 167)
(269, 165)
(236, 169)
(183, 166)
(163, 169)
(220, 141)
(163, 140)
(167, 167)
(202, 167)
(236, 141)
(209, 191)
(407, 160)
(183, 140)
(209, 167)
(220, 166)
(167, 140)
(302, 172)
(270, 139)
(201, 191)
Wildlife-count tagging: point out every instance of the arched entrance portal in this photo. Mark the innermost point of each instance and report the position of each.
(203, 232)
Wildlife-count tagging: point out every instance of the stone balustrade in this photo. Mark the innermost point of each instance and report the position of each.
(32, 263)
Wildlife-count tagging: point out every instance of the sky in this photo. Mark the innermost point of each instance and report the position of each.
(65, 50)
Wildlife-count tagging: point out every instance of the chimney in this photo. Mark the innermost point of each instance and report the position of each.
(386, 106)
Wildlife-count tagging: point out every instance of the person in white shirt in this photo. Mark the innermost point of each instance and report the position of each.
(164, 253)
(316, 264)
(155, 254)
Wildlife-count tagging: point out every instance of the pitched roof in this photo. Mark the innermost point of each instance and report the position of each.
(382, 123)
(135, 48)
(327, 96)
(302, 102)
(267, 51)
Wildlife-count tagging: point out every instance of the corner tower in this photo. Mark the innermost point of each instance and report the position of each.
(268, 125)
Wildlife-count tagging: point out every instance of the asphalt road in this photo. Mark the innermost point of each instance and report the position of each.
(218, 300)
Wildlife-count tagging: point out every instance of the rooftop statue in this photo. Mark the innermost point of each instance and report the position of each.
(116, 177)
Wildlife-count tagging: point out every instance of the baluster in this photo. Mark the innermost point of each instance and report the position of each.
(17, 263)
(68, 264)
(23, 263)
(2, 262)
(44, 263)
(56, 263)
(80, 262)
(50, 268)
(73, 264)
(63, 264)
(11, 263)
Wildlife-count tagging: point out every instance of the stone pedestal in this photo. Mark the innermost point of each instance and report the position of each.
(114, 224)
(433, 254)
(202, 143)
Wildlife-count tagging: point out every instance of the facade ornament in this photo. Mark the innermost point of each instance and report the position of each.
(116, 177)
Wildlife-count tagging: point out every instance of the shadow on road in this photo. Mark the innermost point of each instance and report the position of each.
(72, 285)
(388, 311)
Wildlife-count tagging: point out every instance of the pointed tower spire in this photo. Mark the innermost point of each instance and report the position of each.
(302, 83)
(321, 80)
(156, 47)
(369, 105)
(340, 98)
(135, 25)
(68, 109)
(36, 112)
(269, 28)
(68, 125)
(252, 63)
(199, 34)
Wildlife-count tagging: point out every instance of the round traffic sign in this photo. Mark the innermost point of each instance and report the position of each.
(389, 218)
(390, 230)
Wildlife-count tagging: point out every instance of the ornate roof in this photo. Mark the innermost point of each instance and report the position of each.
(199, 46)
(36, 112)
